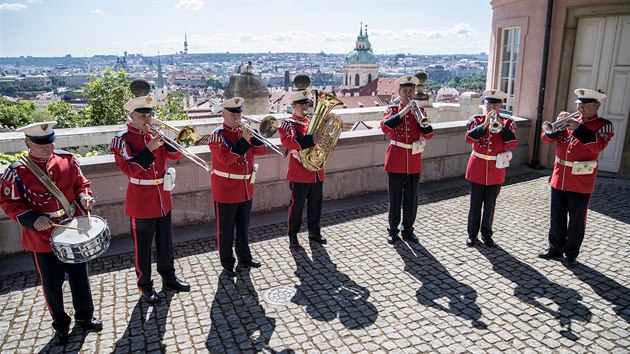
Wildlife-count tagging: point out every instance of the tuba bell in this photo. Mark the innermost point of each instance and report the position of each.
(325, 123)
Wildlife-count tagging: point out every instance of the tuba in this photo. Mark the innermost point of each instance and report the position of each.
(325, 123)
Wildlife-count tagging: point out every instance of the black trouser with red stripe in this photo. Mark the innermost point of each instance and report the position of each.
(402, 190)
(567, 237)
(229, 216)
(143, 231)
(312, 194)
(482, 196)
(52, 273)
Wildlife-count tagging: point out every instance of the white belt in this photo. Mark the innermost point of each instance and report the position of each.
(231, 175)
(146, 182)
(571, 163)
(55, 214)
(402, 145)
(482, 156)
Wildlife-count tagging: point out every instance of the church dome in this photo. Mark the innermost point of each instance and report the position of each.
(362, 53)
(360, 57)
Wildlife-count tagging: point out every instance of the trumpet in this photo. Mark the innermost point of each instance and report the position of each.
(268, 126)
(559, 125)
(186, 137)
(423, 120)
(495, 125)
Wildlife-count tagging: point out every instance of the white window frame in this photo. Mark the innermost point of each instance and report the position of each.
(510, 44)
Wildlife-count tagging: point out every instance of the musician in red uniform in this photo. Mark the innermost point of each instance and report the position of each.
(28, 201)
(306, 186)
(579, 143)
(490, 135)
(233, 174)
(403, 161)
(142, 157)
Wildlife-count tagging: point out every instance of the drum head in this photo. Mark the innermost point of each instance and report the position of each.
(72, 237)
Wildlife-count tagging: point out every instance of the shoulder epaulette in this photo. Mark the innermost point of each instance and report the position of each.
(121, 133)
(62, 152)
(478, 116)
(16, 164)
(218, 130)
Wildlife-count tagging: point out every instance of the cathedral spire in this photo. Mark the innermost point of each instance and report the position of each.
(361, 29)
(160, 76)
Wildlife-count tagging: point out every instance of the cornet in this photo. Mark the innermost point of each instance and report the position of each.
(560, 124)
(495, 125)
(423, 120)
(268, 126)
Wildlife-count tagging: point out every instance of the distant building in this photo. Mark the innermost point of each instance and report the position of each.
(360, 66)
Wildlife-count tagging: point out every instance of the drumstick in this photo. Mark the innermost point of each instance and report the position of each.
(67, 227)
(88, 210)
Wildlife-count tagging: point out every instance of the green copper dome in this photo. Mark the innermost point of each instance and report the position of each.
(362, 53)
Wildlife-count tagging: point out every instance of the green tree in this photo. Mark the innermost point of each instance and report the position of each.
(214, 83)
(15, 114)
(65, 115)
(107, 95)
(172, 107)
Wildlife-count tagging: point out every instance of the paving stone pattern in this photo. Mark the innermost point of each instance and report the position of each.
(359, 294)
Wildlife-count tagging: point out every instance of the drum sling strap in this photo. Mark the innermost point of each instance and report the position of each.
(49, 184)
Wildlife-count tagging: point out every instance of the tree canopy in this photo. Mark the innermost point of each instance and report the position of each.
(106, 96)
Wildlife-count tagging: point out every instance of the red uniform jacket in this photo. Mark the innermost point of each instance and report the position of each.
(235, 155)
(293, 137)
(24, 197)
(404, 130)
(582, 144)
(136, 161)
(483, 171)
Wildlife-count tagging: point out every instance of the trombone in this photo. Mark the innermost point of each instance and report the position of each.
(186, 137)
(268, 126)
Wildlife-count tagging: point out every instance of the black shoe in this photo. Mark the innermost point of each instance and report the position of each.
(410, 237)
(152, 297)
(293, 241)
(572, 261)
(253, 263)
(94, 324)
(391, 239)
(470, 242)
(60, 338)
(488, 241)
(177, 285)
(549, 254)
(318, 238)
(230, 273)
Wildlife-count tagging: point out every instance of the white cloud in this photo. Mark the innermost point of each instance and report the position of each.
(462, 28)
(12, 7)
(247, 37)
(96, 12)
(190, 4)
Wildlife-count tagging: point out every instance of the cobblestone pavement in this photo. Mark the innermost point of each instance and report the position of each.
(359, 294)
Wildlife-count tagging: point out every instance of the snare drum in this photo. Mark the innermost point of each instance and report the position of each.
(72, 246)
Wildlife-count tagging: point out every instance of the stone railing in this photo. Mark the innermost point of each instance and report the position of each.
(355, 168)
(11, 142)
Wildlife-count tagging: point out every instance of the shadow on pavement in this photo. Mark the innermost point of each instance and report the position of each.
(608, 289)
(612, 201)
(328, 293)
(76, 338)
(532, 285)
(145, 335)
(239, 323)
(438, 283)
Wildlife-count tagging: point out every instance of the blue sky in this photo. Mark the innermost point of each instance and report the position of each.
(86, 28)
